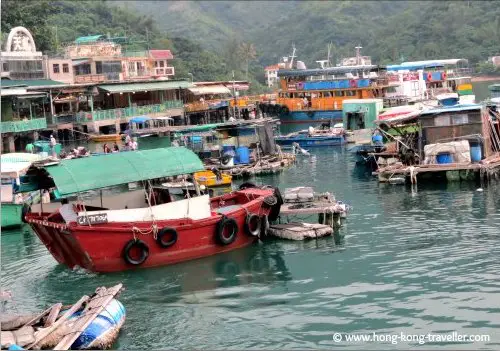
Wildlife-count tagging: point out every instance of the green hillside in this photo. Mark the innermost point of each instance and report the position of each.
(387, 30)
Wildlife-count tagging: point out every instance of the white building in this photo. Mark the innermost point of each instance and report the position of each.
(271, 74)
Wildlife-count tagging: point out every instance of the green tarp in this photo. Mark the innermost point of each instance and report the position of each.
(97, 172)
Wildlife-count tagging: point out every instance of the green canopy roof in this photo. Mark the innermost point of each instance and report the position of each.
(97, 172)
(6, 83)
(200, 128)
(89, 39)
(150, 86)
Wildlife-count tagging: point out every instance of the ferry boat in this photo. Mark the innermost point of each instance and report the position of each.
(317, 95)
(114, 238)
(420, 82)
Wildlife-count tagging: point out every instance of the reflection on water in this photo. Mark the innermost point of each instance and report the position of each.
(417, 262)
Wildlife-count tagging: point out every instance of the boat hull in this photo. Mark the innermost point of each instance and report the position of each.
(100, 248)
(319, 116)
(106, 137)
(311, 141)
(11, 215)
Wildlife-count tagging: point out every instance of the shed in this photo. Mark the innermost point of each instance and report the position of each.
(361, 113)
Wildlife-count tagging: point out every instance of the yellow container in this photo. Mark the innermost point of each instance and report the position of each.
(209, 179)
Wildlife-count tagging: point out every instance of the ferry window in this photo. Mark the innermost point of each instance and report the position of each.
(55, 67)
(460, 119)
(65, 68)
(5, 66)
(350, 93)
(339, 93)
(442, 121)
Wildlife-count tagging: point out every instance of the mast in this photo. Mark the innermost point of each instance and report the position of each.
(292, 56)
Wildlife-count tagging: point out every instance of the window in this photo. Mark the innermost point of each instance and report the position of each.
(65, 68)
(55, 67)
(350, 93)
(98, 67)
(5, 66)
(162, 64)
(442, 121)
(339, 93)
(460, 119)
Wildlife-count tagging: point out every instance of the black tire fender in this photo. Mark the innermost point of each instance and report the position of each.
(221, 226)
(144, 252)
(24, 211)
(166, 233)
(253, 221)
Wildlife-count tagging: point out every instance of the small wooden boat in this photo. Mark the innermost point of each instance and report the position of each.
(91, 323)
(105, 137)
(211, 179)
(313, 137)
(101, 239)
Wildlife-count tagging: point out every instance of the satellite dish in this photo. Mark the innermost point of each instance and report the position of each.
(301, 65)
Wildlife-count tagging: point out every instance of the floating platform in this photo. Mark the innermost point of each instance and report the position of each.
(299, 231)
(488, 168)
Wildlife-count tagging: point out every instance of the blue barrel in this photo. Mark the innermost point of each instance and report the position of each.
(475, 152)
(243, 155)
(444, 157)
(377, 138)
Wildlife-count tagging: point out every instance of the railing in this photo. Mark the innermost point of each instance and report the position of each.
(23, 126)
(164, 71)
(459, 72)
(90, 78)
(118, 113)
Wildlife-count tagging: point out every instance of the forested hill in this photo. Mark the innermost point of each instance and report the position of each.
(387, 30)
(56, 23)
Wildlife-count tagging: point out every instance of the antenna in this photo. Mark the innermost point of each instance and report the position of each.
(357, 54)
(292, 56)
(329, 52)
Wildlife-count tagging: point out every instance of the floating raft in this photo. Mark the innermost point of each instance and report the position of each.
(299, 231)
(91, 323)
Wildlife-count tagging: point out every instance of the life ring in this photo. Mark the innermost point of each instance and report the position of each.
(444, 76)
(136, 244)
(429, 76)
(225, 159)
(247, 185)
(220, 234)
(352, 83)
(24, 211)
(253, 224)
(166, 233)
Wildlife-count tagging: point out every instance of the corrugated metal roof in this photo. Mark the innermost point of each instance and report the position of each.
(161, 54)
(89, 39)
(83, 174)
(212, 89)
(437, 62)
(150, 86)
(455, 108)
(31, 83)
(326, 71)
(22, 92)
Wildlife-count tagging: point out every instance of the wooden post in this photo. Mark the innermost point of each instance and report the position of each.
(129, 100)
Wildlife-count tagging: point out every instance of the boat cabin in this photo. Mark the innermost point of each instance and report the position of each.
(327, 88)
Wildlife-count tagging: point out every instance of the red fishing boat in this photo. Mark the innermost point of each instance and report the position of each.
(105, 239)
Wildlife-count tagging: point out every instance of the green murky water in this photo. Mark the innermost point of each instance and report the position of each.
(414, 262)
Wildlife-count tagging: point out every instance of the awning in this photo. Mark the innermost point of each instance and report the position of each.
(22, 93)
(214, 89)
(140, 119)
(89, 173)
(38, 83)
(80, 62)
(164, 118)
(15, 169)
(151, 86)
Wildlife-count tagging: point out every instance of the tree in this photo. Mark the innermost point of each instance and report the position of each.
(248, 53)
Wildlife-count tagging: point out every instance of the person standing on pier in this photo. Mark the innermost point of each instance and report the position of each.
(53, 143)
(128, 142)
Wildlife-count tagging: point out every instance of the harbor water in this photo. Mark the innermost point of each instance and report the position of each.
(413, 262)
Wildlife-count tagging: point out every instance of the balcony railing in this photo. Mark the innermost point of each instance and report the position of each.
(164, 71)
(23, 126)
(118, 113)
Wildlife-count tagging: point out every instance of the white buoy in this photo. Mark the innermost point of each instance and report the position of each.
(479, 189)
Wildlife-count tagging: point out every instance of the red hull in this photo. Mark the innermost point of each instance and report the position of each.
(99, 248)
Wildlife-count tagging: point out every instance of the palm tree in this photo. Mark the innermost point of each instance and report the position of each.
(247, 52)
